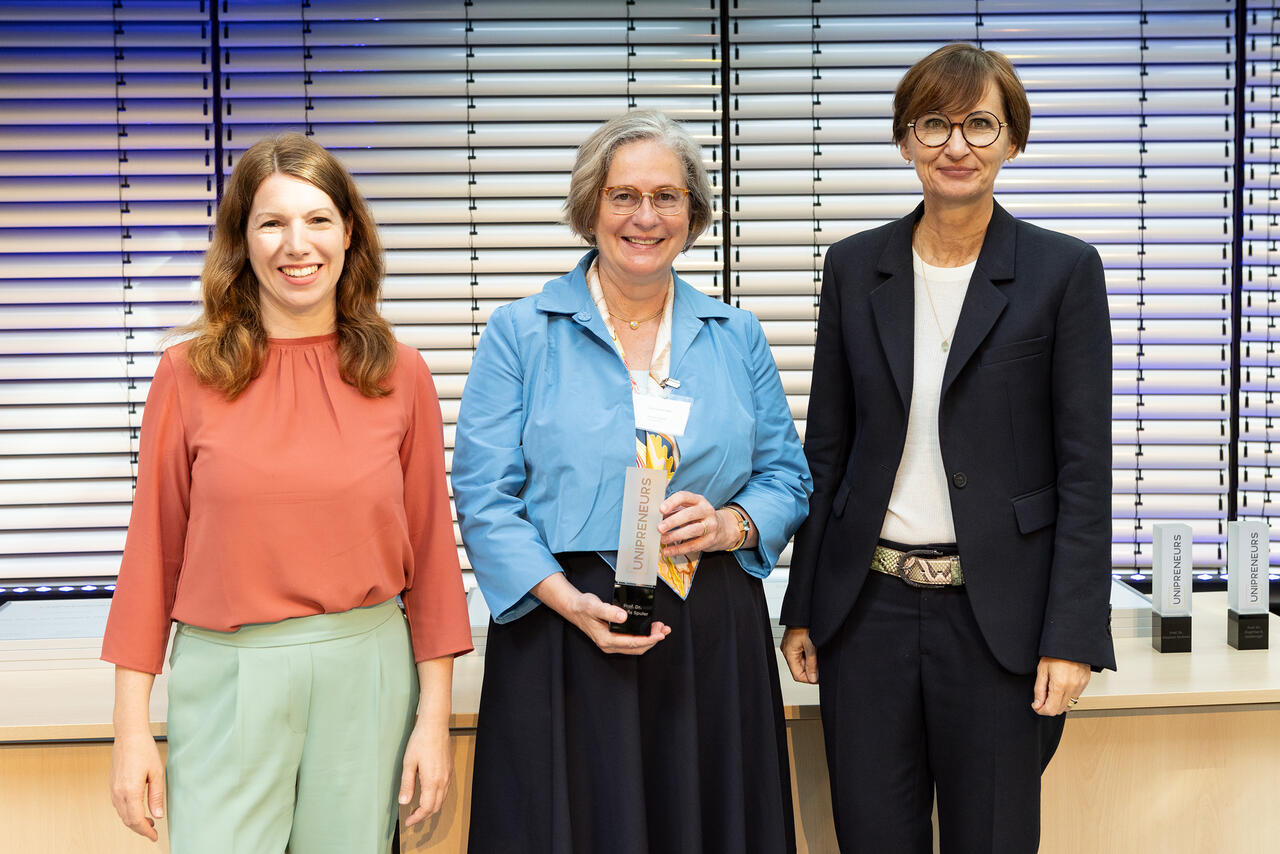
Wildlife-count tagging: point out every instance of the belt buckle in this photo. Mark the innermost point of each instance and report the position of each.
(905, 559)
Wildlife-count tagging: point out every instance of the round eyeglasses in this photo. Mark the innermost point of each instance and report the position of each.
(667, 201)
(979, 129)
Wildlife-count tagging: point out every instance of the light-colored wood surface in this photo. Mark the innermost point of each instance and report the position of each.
(1173, 781)
(810, 788)
(446, 831)
(58, 690)
(1160, 756)
(53, 798)
(1212, 674)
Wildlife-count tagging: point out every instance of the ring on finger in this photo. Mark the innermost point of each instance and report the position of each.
(704, 527)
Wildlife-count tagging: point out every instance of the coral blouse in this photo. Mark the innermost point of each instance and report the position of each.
(302, 496)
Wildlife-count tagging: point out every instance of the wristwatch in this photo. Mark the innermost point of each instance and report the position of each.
(744, 525)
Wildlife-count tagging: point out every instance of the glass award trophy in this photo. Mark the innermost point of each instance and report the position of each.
(1171, 587)
(1248, 593)
(639, 548)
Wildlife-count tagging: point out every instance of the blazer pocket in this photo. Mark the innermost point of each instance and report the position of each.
(1016, 350)
(1036, 509)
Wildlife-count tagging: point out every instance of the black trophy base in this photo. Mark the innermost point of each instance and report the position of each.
(1247, 631)
(637, 601)
(1170, 634)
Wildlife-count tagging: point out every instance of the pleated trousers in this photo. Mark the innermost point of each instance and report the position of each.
(288, 736)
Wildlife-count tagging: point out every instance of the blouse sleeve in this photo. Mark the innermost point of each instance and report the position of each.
(138, 625)
(508, 554)
(434, 599)
(777, 495)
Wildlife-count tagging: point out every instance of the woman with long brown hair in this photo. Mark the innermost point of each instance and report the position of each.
(290, 486)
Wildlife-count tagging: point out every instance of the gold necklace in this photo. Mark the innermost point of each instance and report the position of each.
(635, 324)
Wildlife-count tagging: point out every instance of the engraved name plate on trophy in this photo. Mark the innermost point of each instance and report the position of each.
(639, 548)
(1248, 594)
(1171, 587)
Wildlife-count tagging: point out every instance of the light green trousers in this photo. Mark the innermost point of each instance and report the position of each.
(288, 736)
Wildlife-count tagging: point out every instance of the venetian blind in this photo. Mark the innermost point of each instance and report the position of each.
(1260, 276)
(106, 200)
(1131, 149)
(460, 121)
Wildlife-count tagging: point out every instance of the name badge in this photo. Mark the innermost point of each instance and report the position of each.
(666, 415)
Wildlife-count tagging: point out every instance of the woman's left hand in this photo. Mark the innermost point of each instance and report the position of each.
(1058, 684)
(428, 760)
(690, 524)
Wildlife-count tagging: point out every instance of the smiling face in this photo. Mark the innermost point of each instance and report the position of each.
(958, 174)
(297, 241)
(637, 249)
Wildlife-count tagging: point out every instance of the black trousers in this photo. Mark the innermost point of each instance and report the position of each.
(913, 701)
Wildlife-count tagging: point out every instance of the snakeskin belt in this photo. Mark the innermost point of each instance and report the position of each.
(919, 567)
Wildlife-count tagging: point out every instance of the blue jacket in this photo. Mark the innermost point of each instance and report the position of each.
(546, 430)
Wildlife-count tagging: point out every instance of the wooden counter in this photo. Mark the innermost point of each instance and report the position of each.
(1155, 757)
(1174, 752)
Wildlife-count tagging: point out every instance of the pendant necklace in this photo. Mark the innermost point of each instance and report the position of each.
(635, 324)
(946, 339)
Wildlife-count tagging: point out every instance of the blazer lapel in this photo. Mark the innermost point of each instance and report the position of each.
(893, 305)
(983, 302)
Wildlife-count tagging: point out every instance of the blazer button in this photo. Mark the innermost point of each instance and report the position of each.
(959, 480)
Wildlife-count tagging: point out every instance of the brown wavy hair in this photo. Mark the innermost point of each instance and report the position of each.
(231, 342)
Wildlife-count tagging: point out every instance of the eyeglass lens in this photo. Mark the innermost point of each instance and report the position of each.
(624, 200)
(978, 129)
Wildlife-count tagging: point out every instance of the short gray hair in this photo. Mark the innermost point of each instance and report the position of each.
(595, 156)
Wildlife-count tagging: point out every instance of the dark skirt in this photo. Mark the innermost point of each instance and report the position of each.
(682, 749)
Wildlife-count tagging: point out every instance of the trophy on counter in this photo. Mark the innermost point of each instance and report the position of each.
(1171, 587)
(1248, 594)
(639, 548)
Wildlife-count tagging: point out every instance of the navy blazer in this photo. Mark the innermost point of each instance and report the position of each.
(1024, 425)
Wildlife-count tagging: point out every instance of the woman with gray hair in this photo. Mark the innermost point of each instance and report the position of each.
(593, 739)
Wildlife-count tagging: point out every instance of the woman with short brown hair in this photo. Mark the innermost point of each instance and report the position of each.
(954, 572)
